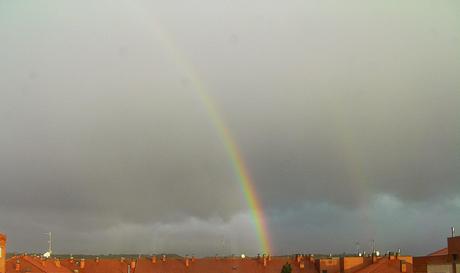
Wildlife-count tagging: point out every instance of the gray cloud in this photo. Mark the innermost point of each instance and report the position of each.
(341, 111)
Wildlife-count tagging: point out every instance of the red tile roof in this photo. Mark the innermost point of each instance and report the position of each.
(385, 265)
(227, 265)
(101, 266)
(440, 252)
(34, 265)
(178, 265)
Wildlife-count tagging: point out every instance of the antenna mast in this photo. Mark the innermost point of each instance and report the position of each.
(49, 242)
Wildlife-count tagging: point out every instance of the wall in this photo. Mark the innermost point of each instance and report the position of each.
(352, 264)
(453, 245)
(439, 268)
(331, 265)
(407, 259)
(2, 253)
(421, 263)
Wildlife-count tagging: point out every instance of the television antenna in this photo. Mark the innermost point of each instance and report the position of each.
(50, 251)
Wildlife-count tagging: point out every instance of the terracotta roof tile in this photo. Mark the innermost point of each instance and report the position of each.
(34, 265)
(440, 252)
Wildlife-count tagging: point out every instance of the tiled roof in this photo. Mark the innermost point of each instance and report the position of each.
(34, 265)
(440, 252)
(384, 265)
(31, 264)
(100, 266)
(228, 265)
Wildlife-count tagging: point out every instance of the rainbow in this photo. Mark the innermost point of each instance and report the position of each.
(231, 147)
(244, 177)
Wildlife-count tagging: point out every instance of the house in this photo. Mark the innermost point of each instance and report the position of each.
(441, 261)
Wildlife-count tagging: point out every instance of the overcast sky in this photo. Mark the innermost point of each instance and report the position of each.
(346, 112)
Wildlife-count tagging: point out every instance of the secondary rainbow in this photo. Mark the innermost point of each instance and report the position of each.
(231, 147)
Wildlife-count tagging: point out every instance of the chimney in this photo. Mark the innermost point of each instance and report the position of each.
(57, 262)
(163, 258)
(265, 261)
(187, 261)
(18, 265)
(402, 266)
(133, 264)
(374, 258)
(97, 259)
(71, 259)
(82, 263)
(269, 258)
(122, 259)
(154, 259)
(452, 229)
(302, 265)
(2, 253)
(391, 256)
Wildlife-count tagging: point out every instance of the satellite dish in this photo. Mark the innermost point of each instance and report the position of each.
(243, 256)
(47, 254)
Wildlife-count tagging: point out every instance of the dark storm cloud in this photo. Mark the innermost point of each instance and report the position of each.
(342, 112)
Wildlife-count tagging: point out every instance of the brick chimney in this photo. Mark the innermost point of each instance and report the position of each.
(97, 259)
(374, 258)
(163, 258)
(57, 262)
(265, 260)
(2, 253)
(391, 256)
(133, 264)
(82, 263)
(17, 266)
(187, 261)
(402, 266)
(154, 259)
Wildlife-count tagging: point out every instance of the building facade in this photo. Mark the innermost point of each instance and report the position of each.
(442, 261)
(2, 253)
